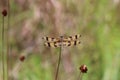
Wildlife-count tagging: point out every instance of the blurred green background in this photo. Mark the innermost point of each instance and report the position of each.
(98, 21)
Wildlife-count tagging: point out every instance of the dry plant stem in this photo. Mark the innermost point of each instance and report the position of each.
(58, 63)
(80, 76)
(8, 48)
(59, 59)
(3, 66)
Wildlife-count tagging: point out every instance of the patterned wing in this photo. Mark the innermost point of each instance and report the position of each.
(50, 39)
(60, 44)
(72, 38)
(62, 41)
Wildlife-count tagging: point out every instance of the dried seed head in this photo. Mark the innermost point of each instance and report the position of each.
(4, 12)
(83, 68)
(22, 58)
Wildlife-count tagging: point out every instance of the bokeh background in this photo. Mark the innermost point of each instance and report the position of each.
(98, 21)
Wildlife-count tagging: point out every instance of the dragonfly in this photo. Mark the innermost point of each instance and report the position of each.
(62, 41)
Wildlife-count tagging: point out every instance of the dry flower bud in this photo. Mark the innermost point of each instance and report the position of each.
(22, 58)
(83, 68)
(4, 12)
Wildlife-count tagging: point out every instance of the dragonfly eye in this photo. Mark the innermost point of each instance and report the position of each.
(61, 37)
(52, 38)
(70, 37)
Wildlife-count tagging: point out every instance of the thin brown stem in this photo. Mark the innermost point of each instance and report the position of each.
(8, 53)
(80, 76)
(59, 59)
(3, 66)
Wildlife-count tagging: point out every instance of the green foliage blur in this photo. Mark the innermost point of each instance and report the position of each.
(98, 21)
